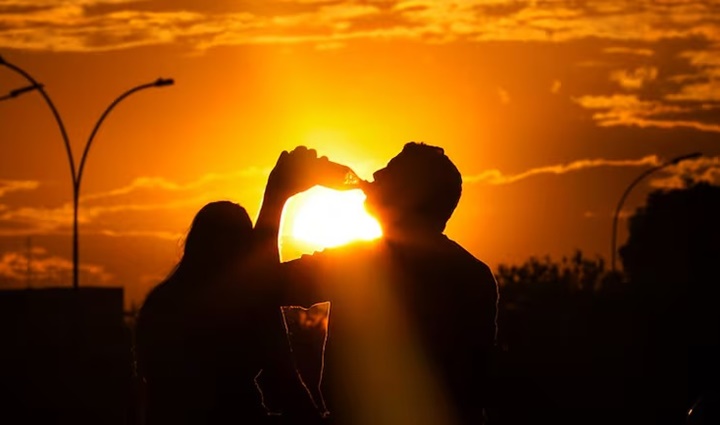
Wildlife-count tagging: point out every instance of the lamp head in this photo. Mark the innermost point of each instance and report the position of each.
(162, 82)
(685, 157)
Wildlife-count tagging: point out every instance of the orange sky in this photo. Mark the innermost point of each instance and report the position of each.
(549, 109)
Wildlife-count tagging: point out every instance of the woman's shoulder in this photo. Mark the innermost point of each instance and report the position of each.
(160, 299)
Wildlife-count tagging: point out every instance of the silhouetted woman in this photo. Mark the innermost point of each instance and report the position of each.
(199, 332)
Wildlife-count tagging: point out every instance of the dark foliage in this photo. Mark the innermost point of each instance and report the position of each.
(579, 344)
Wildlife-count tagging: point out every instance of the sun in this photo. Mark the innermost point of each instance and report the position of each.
(324, 218)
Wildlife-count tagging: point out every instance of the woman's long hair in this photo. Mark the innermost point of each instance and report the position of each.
(219, 238)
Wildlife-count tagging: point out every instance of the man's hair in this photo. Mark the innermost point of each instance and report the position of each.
(439, 179)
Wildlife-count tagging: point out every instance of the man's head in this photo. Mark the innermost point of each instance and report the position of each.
(418, 189)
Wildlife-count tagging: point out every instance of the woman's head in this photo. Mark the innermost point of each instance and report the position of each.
(220, 234)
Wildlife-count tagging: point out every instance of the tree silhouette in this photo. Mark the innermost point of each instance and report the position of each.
(564, 342)
(674, 240)
(671, 258)
(576, 273)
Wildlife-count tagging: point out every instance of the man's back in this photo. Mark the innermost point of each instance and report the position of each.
(410, 331)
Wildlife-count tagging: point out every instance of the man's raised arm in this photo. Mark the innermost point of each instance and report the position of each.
(294, 172)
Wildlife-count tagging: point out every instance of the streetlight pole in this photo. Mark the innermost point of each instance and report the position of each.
(637, 180)
(160, 82)
(76, 174)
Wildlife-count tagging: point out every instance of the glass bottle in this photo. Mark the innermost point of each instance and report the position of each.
(337, 176)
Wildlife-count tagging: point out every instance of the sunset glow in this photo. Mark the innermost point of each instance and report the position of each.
(548, 109)
(382, 195)
(326, 218)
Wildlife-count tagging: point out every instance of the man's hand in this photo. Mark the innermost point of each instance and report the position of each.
(294, 172)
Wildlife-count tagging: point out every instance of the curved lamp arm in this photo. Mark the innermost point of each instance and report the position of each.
(160, 82)
(56, 114)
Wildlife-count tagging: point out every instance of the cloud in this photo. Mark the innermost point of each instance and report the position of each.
(633, 79)
(173, 236)
(503, 95)
(7, 186)
(68, 26)
(44, 220)
(555, 87)
(97, 25)
(36, 220)
(496, 177)
(704, 85)
(44, 269)
(629, 110)
(703, 169)
(142, 195)
(629, 51)
(160, 183)
(632, 29)
(685, 86)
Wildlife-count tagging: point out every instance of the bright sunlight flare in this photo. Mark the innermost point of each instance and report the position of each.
(325, 218)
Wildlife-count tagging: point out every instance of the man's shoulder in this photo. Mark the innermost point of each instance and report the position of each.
(461, 253)
(469, 263)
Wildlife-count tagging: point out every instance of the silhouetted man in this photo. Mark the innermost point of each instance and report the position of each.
(413, 315)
